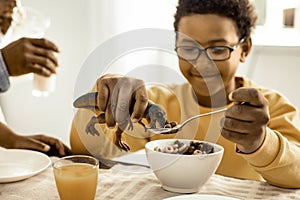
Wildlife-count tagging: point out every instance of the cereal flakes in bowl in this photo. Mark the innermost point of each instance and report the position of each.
(183, 165)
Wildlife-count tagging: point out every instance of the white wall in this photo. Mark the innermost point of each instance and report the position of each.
(276, 67)
(52, 115)
(275, 58)
(80, 26)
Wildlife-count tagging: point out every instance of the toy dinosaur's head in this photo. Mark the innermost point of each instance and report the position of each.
(156, 116)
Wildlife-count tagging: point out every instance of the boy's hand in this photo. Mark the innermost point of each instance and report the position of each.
(246, 121)
(118, 96)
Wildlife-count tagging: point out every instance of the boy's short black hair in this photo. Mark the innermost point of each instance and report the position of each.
(240, 11)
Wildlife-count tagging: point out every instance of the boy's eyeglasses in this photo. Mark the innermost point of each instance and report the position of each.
(215, 53)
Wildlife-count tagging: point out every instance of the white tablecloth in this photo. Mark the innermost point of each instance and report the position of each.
(115, 184)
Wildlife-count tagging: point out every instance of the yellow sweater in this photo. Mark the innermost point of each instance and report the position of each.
(277, 161)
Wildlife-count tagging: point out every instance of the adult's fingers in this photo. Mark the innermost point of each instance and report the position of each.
(46, 53)
(52, 142)
(44, 43)
(41, 66)
(30, 143)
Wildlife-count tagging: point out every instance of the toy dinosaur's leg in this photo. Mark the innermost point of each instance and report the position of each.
(90, 128)
(130, 126)
(121, 144)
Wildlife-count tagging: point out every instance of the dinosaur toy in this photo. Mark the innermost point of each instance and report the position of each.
(154, 114)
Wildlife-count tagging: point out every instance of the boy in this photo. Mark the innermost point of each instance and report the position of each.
(259, 131)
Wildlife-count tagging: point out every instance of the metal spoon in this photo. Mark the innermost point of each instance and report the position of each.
(180, 126)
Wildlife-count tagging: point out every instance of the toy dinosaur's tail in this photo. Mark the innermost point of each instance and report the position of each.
(88, 101)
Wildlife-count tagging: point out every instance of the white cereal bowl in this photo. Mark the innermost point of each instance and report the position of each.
(182, 173)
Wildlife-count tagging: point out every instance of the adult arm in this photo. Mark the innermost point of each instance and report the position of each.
(4, 76)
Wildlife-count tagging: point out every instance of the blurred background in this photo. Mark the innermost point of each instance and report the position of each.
(79, 27)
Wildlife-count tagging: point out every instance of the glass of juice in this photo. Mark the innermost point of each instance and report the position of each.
(76, 177)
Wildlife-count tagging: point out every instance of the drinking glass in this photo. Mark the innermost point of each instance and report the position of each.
(76, 177)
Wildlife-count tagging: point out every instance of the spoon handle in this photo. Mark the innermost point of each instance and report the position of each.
(201, 115)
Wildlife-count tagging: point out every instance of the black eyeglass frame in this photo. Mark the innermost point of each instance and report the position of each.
(200, 50)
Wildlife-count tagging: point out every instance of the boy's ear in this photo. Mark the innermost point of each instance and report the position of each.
(246, 48)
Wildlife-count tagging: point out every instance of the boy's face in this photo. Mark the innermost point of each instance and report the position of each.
(208, 78)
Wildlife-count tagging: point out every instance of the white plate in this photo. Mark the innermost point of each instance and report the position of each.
(17, 164)
(201, 196)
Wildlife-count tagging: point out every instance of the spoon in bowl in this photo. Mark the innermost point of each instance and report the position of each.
(180, 126)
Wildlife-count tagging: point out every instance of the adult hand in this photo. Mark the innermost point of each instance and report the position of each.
(28, 55)
(246, 121)
(122, 99)
(49, 145)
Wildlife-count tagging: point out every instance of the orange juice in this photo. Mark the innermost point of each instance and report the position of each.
(76, 181)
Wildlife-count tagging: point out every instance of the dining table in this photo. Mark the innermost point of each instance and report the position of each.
(138, 182)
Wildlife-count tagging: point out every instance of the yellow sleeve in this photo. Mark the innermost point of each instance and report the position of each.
(278, 159)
